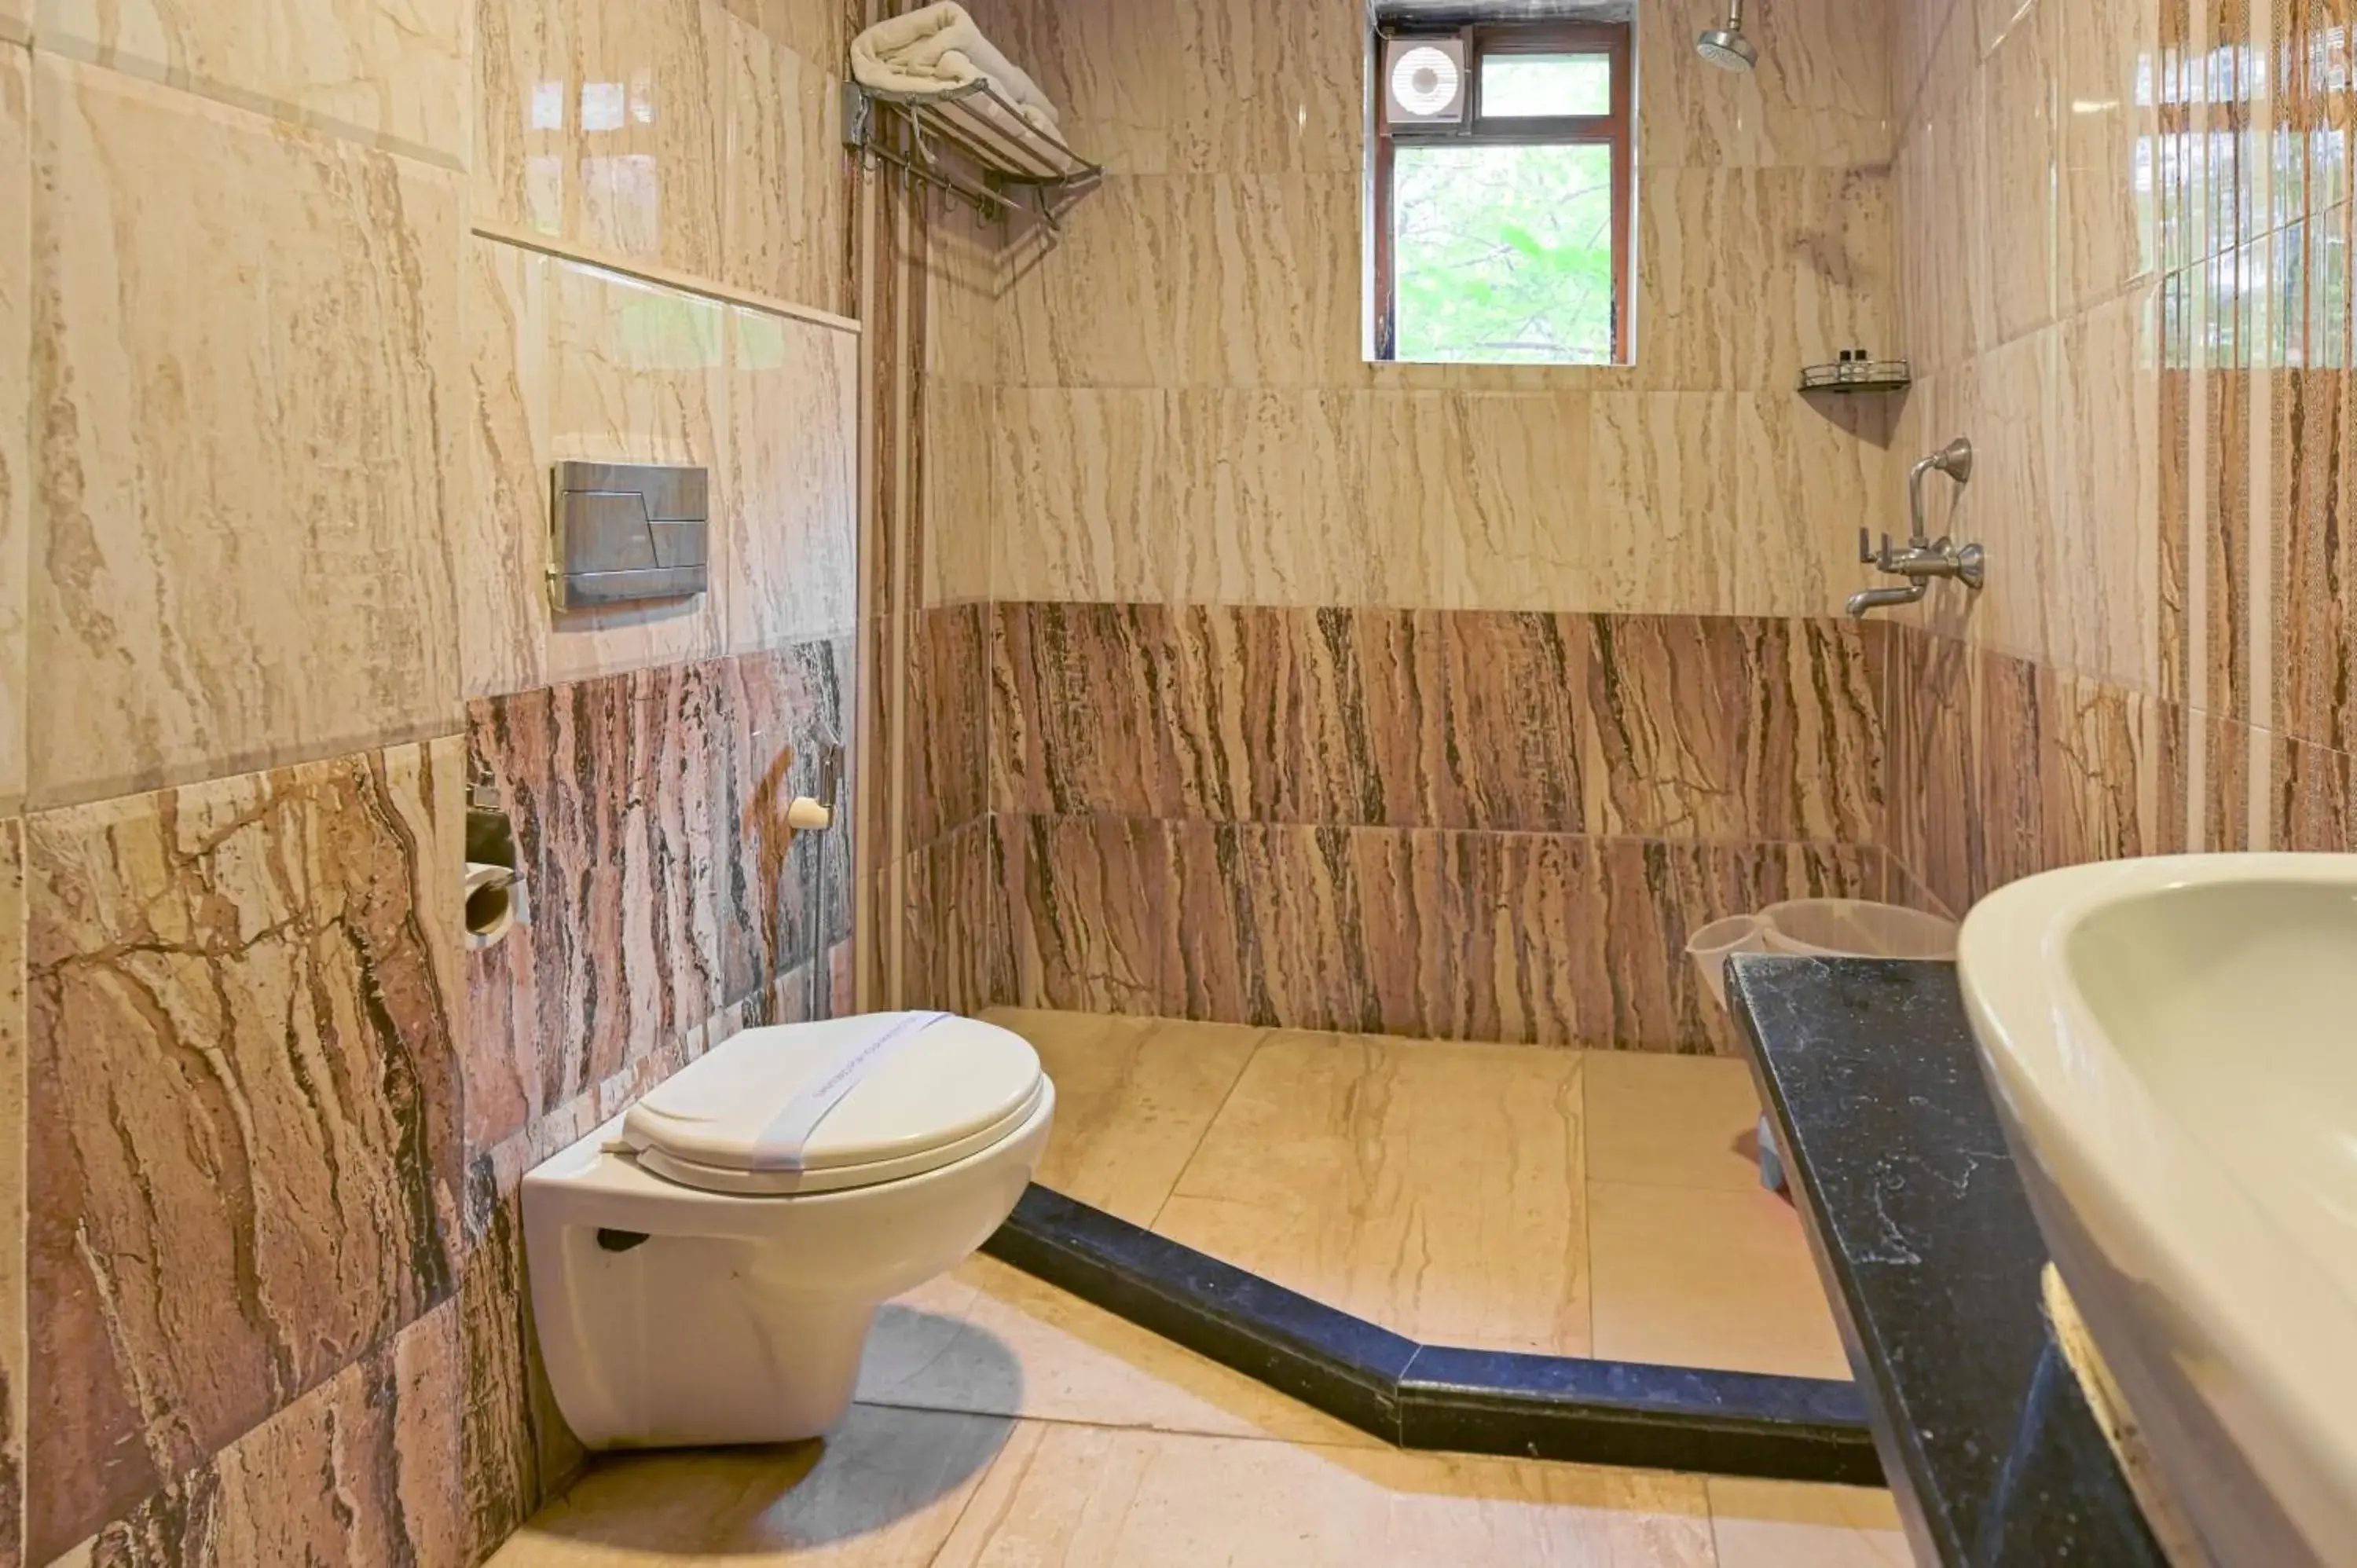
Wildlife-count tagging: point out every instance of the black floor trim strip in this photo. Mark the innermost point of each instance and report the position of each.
(1439, 1397)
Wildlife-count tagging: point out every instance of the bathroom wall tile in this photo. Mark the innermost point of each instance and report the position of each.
(1930, 784)
(2313, 804)
(2107, 124)
(1711, 318)
(1270, 501)
(784, 179)
(960, 280)
(1080, 492)
(963, 940)
(15, 403)
(1080, 718)
(1815, 471)
(1667, 525)
(1089, 901)
(343, 421)
(2020, 147)
(1709, 728)
(2223, 516)
(788, 481)
(1271, 280)
(649, 811)
(243, 1013)
(948, 710)
(1116, 74)
(1110, 304)
(1520, 720)
(2314, 609)
(2014, 742)
(635, 373)
(2105, 527)
(1820, 97)
(603, 124)
(16, 21)
(517, 1452)
(13, 1363)
(574, 363)
(393, 79)
(1265, 88)
(2009, 409)
(1303, 716)
(2172, 479)
(376, 1448)
(958, 456)
(1523, 528)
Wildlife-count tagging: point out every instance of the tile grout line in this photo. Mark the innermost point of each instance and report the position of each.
(1203, 1137)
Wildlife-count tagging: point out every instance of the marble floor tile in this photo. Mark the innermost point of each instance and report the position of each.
(1435, 1188)
(1672, 1121)
(988, 1339)
(881, 1492)
(1134, 1097)
(1135, 1499)
(1691, 1277)
(1785, 1524)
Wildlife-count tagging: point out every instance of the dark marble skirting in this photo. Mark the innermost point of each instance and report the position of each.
(1439, 1397)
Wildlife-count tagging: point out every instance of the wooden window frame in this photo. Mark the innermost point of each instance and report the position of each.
(1612, 129)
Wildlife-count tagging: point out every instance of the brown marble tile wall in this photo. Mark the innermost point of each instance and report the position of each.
(295, 322)
(1642, 726)
(1550, 938)
(650, 811)
(2151, 345)
(247, 1103)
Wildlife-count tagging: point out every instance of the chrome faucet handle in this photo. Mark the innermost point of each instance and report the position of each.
(1864, 546)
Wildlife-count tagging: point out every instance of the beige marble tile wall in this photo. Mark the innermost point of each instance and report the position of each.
(1186, 415)
(297, 306)
(2128, 231)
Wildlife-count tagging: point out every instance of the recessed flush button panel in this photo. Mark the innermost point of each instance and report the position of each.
(626, 531)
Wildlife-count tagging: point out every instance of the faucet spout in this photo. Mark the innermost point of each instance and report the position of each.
(1871, 600)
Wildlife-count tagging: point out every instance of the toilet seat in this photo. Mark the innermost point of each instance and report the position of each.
(924, 1092)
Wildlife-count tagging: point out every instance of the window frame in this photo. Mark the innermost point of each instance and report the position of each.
(1482, 40)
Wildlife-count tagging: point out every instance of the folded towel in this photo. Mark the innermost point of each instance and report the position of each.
(937, 47)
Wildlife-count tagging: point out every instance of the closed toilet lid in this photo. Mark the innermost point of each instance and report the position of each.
(843, 1103)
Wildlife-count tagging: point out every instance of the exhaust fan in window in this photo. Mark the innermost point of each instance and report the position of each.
(1424, 82)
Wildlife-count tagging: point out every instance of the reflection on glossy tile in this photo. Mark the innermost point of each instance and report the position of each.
(1134, 1097)
(1782, 1524)
(243, 1002)
(1697, 1278)
(173, 644)
(1434, 1189)
(881, 1491)
(604, 122)
(1672, 1121)
(16, 402)
(988, 1339)
(1136, 1499)
(393, 76)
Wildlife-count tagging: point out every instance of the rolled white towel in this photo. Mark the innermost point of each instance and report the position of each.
(939, 46)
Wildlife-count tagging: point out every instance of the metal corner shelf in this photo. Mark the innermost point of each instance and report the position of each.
(1858, 376)
(1002, 160)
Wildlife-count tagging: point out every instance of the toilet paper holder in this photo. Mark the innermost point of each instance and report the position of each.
(494, 889)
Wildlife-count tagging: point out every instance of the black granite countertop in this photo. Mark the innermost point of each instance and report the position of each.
(1926, 1246)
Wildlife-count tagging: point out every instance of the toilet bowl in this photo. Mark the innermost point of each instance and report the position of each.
(705, 1267)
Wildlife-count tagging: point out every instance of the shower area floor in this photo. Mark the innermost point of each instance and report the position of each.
(1512, 1197)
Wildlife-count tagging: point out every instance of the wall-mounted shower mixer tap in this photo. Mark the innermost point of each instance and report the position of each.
(1923, 558)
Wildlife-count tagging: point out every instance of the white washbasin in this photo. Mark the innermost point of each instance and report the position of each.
(2173, 1048)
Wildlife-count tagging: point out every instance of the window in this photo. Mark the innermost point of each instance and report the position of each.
(1501, 193)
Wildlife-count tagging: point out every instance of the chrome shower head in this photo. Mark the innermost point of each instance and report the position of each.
(1726, 46)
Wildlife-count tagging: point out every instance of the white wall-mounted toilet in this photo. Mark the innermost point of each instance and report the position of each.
(706, 1266)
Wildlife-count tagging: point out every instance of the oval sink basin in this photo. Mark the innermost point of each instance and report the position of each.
(2173, 1048)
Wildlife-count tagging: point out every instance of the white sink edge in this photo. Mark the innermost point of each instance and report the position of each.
(2171, 1213)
